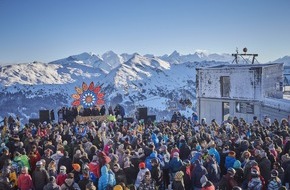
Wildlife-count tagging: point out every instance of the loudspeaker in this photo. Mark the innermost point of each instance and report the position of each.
(35, 121)
(151, 118)
(44, 115)
(128, 119)
(142, 113)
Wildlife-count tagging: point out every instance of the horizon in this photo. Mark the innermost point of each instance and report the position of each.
(50, 30)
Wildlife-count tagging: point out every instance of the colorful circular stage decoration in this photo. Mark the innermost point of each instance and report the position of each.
(88, 96)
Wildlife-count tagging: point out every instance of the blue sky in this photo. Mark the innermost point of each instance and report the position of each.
(54, 29)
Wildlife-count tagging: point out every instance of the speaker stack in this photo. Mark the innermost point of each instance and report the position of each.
(44, 115)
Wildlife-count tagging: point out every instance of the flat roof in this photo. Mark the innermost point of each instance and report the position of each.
(239, 66)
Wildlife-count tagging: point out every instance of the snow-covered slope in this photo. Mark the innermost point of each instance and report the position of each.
(132, 80)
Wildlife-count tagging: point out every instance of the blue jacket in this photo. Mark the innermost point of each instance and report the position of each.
(198, 171)
(216, 154)
(229, 163)
(107, 178)
(175, 165)
(149, 158)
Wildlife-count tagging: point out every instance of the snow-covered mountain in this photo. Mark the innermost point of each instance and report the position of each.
(132, 80)
(285, 60)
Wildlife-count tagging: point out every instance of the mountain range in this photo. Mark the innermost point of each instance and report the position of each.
(131, 80)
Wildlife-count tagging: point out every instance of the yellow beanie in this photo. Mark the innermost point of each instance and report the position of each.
(118, 187)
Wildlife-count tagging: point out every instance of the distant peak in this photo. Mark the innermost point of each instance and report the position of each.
(109, 52)
(174, 53)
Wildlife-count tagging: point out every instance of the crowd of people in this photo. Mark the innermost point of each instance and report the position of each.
(180, 154)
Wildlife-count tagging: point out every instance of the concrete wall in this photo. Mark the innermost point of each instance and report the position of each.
(212, 109)
(243, 83)
(271, 76)
(250, 83)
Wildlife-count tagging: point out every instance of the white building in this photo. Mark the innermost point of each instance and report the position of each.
(242, 90)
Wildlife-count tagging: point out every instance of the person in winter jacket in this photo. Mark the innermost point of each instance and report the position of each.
(85, 180)
(239, 176)
(198, 171)
(153, 155)
(274, 182)
(228, 181)
(23, 159)
(69, 183)
(213, 169)
(130, 172)
(60, 178)
(213, 151)
(66, 161)
(175, 164)
(255, 183)
(230, 160)
(24, 181)
(107, 178)
(141, 174)
(147, 183)
(186, 169)
(52, 184)
(40, 176)
(119, 174)
(156, 172)
(178, 183)
(206, 184)
(164, 163)
(94, 166)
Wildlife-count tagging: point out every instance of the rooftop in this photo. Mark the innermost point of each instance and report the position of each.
(239, 66)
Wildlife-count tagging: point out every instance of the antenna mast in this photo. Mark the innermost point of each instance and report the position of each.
(243, 55)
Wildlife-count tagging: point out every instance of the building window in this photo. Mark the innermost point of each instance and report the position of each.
(226, 110)
(225, 86)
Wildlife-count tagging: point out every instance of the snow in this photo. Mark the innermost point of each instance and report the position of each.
(149, 80)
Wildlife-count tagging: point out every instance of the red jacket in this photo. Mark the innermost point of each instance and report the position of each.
(24, 182)
(60, 178)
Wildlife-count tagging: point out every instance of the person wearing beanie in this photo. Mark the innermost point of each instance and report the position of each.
(141, 174)
(255, 182)
(178, 182)
(230, 159)
(175, 164)
(206, 184)
(66, 161)
(70, 183)
(24, 180)
(118, 187)
(274, 182)
(239, 176)
(60, 178)
(52, 184)
(228, 181)
(77, 172)
(39, 176)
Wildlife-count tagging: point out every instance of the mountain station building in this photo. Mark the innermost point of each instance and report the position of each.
(241, 90)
